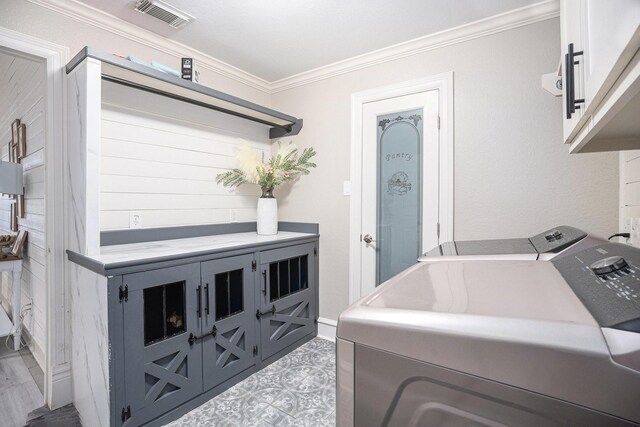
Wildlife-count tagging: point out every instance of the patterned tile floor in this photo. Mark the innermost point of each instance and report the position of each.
(297, 390)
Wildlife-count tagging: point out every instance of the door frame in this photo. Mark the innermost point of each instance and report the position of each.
(57, 369)
(444, 84)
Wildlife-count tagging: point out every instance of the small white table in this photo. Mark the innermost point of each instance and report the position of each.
(6, 326)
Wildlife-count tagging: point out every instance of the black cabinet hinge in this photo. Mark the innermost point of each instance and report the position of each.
(315, 320)
(254, 265)
(315, 251)
(126, 413)
(123, 293)
(255, 350)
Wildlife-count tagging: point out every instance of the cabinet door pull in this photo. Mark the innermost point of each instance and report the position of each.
(271, 312)
(199, 296)
(569, 64)
(193, 338)
(206, 295)
(264, 279)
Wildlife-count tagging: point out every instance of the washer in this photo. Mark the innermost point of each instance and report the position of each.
(496, 343)
(561, 240)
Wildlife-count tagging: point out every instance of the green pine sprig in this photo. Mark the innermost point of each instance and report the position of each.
(278, 170)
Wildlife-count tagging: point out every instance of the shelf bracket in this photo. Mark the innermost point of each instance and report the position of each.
(279, 132)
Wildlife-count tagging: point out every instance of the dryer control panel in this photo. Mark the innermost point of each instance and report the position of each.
(557, 239)
(552, 241)
(606, 278)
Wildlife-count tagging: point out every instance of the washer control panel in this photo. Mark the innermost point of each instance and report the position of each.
(609, 265)
(606, 278)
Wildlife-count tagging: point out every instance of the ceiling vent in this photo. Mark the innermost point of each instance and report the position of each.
(164, 12)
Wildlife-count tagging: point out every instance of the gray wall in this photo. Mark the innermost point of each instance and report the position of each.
(38, 21)
(513, 176)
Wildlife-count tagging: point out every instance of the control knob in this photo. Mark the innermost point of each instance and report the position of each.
(608, 265)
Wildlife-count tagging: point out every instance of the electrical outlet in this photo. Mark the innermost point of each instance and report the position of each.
(635, 232)
(627, 225)
(233, 217)
(135, 219)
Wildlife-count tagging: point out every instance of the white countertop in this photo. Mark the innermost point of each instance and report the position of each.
(134, 252)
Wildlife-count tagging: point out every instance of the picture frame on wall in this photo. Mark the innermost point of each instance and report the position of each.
(18, 245)
(20, 205)
(21, 144)
(14, 130)
(12, 152)
(14, 218)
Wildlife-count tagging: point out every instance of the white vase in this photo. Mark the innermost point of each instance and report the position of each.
(267, 214)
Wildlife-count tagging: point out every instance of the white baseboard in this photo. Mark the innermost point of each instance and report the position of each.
(61, 387)
(34, 348)
(61, 392)
(327, 329)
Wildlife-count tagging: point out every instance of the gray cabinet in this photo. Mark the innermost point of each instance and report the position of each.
(287, 309)
(228, 345)
(162, 370)
(184, 333)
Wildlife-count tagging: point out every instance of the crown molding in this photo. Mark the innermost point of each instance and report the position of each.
(97, 18)
(527, 15)
(494, 24)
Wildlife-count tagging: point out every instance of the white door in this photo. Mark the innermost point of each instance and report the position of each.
(400, 184)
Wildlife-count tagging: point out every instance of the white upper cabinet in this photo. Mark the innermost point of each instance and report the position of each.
(610, 25)
(601, 74)
(572, 13)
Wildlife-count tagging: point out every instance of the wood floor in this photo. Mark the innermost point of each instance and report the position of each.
(19, 393)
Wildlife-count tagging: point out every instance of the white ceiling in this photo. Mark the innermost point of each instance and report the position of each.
(274, 39)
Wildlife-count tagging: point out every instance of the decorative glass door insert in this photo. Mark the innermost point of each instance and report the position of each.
(399, 192)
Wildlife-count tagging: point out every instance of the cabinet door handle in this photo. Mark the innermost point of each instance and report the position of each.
(206, 296)
(264, 281)
(199, 296)
(569, 64)
(567, 84)
(193, 338)
(271, 312)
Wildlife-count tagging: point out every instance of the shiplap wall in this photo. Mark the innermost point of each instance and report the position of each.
(629, 186)
(160, 157)
(22, 96)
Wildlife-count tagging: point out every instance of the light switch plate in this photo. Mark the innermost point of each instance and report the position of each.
(135, 219)
(346, 188)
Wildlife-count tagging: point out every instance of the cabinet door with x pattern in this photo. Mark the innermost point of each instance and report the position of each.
(163, 366)
(228, 331)
(287, 309)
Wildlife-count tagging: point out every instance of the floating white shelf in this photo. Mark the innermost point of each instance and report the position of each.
(123, 71)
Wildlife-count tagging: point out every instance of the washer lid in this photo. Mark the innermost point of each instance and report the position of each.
(514, 289)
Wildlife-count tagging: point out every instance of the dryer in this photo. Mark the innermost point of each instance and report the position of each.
(496, 343)
(561, 240)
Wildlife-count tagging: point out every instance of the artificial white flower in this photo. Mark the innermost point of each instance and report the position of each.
(248, 162)
(284, 149)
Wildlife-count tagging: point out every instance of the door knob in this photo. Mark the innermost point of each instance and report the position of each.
(368, 239)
